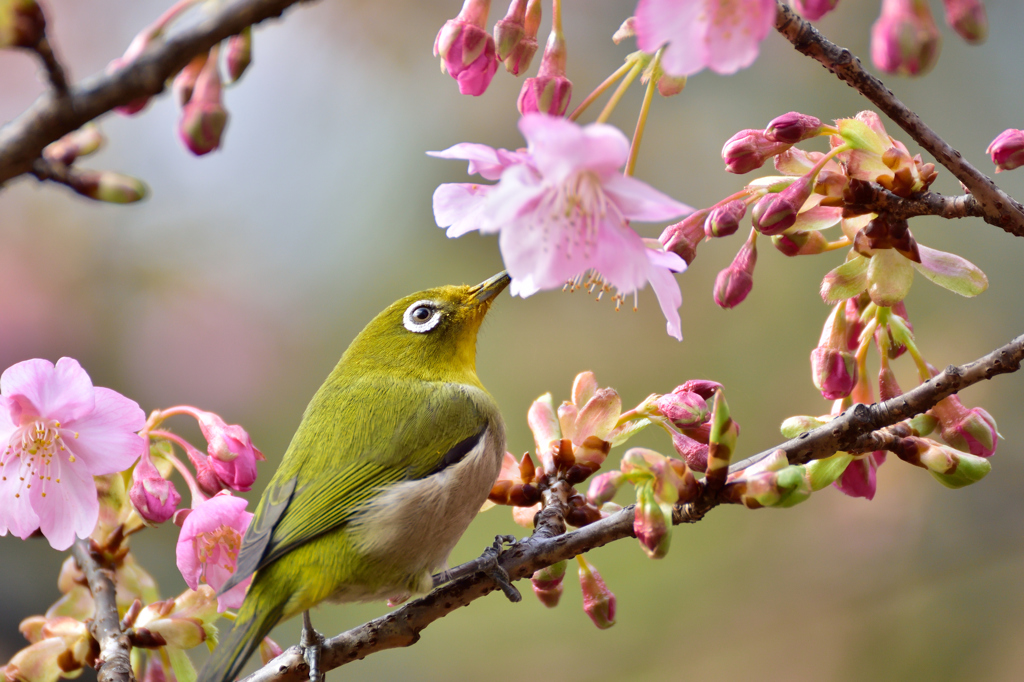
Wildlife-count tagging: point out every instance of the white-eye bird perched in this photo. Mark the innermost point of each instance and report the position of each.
(394, 456)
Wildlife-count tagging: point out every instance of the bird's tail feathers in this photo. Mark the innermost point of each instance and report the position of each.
(238, 644)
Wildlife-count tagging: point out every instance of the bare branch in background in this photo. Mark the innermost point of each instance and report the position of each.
(52, 115)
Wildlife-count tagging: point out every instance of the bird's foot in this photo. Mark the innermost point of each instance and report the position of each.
(492, 568)
(486, 563)
(311, 642)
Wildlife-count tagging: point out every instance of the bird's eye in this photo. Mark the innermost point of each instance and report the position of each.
(421, 316)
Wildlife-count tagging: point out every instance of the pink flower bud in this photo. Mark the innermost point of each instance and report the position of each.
(238, 56)
(685, 409)
(22, 23)
(776, 213)
(812, 10)
(748, 150)
(650, 524)
(547, 584)
(970, 430)
(693, 451)
(683, 237)
(604, 487)
(968, 19)
(859, 477)
(798, 243)
(510, 30)
(792, 128)
(905, 39)
(467, 50)
(734, 283)
(75, 144)
(204, 117)
(705, 388)
(724, 220)
(232, 455)
(108, 186)
(833, 369)
(153, 496)
(550, 91)
(1007, 150)
(598, 600)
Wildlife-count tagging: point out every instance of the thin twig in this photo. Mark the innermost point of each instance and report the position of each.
(113, 663)
(52, 116)
(998, 208)
(54, 71)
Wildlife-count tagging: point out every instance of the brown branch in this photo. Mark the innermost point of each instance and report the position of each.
(52, 116)
(54, 71)
(856, 430)
(869, 197)
(997, 207)
(113, 663)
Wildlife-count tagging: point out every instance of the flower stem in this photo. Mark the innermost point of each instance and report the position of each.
(197, 494)
(600, 90)
(840, 243)
(556, 16)
(619, 92)
(641, 122)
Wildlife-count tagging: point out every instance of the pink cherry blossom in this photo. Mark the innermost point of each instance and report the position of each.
(562, 209)
(722, 35)
(58, 431)
(207, 550)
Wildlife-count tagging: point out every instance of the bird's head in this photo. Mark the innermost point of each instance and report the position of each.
(429, 335)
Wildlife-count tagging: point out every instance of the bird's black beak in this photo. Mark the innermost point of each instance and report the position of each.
(489, 288)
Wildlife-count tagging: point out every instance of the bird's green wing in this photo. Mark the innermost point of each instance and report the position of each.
(331, 469)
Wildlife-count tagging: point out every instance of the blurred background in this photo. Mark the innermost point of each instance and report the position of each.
(236, 286)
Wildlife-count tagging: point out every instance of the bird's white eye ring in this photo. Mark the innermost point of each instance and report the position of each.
(421, 316)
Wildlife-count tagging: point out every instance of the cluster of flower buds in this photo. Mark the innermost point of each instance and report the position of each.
(197, 87)
(969, 435)
(180, 623)
(571, 444)
(106, 186)
(685, 415)
(229, 462)
(59, 647)
(470, 54)
(660, 483)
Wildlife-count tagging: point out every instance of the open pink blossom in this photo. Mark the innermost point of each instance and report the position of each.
(562, 208)
(722, 35)
(57, 431)
(207, 550)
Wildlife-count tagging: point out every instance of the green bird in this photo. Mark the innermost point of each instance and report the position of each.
(394, 456)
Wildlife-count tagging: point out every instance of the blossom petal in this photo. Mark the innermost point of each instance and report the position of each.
(63, 392)
(107, 441)
(952, 272)
(70, 507)
(676, 23)
(483, 159)
(639, 201)
(735, 31)
(666, 288)
(460, 207)
(16, 513)
(560, 147)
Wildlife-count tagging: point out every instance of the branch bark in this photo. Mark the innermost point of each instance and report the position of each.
(114, 663)
(54, 114)
(998, 208)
